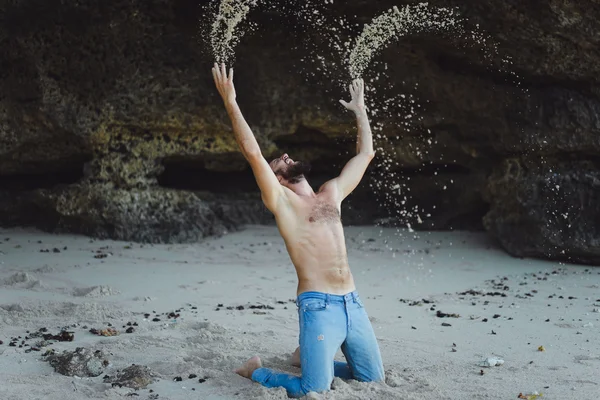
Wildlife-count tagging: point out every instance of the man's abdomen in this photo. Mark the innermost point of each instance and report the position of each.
(321, 262)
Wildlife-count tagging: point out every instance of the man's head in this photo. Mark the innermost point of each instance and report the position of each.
(289, 171)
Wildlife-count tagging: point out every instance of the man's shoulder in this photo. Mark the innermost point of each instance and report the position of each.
(328, 186)
(331, 189)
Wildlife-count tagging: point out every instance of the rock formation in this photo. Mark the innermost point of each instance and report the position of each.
(110, 125)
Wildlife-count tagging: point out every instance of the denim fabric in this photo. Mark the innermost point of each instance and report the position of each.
(328, 322)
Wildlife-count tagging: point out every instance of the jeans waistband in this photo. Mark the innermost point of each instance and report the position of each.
(328, 298)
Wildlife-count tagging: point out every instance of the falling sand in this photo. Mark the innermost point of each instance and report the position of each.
(359, 56)
(396, 23)
(226, 33)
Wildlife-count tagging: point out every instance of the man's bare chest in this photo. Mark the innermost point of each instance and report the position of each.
(321, 212)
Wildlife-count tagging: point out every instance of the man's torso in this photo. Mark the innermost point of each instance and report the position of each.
(314, 237)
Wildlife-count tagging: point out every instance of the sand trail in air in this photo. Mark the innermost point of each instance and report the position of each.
(226, 29)
(391, 108)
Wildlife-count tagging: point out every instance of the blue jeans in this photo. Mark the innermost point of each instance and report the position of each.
(328, 322)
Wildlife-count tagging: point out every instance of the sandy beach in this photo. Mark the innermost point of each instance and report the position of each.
(440, 304)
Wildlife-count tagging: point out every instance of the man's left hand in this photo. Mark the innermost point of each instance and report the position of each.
(357, 91)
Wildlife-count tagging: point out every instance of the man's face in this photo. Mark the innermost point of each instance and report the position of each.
(290, 170)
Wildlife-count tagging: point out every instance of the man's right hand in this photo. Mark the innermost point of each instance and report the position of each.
(224, 83)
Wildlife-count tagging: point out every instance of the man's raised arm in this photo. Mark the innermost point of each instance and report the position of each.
(243, 134)
(364, 142)
(268, 183)
(354, 170)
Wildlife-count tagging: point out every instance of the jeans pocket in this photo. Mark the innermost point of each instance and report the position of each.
(313, 305)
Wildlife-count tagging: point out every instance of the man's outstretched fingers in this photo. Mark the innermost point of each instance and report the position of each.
(217, 72)
(230, 74)
(223, 71)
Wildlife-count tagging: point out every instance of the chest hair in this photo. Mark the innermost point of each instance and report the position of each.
(323, 212)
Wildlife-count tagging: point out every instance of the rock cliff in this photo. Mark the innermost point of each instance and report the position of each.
(110, 124)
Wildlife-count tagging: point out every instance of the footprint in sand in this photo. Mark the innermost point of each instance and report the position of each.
(23, 280)
(95, 291)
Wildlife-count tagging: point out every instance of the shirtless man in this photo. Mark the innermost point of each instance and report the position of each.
(330, 311)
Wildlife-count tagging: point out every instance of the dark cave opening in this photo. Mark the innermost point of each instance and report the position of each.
(45, 175)
(192, 174)
(186, 174)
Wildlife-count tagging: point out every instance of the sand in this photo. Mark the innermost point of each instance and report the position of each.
(395, 23)
(226, 31)
(394, 273)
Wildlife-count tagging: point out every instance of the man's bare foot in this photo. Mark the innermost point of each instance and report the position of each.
(249, 367)
(296, 358)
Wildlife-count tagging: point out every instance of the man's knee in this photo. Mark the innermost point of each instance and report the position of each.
(373, 375)
(320, 386)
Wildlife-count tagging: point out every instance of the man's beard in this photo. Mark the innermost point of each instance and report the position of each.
(295, 172)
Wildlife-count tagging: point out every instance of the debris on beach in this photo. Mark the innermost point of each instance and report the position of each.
(491, 362)
(533, 396)
(440, 314)
(134, 377)
(541, 348)
(104, 332)
(81, 362)
(472, 292)
(413, 303)
(63, 336)
(261, 307)
(251, 306)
